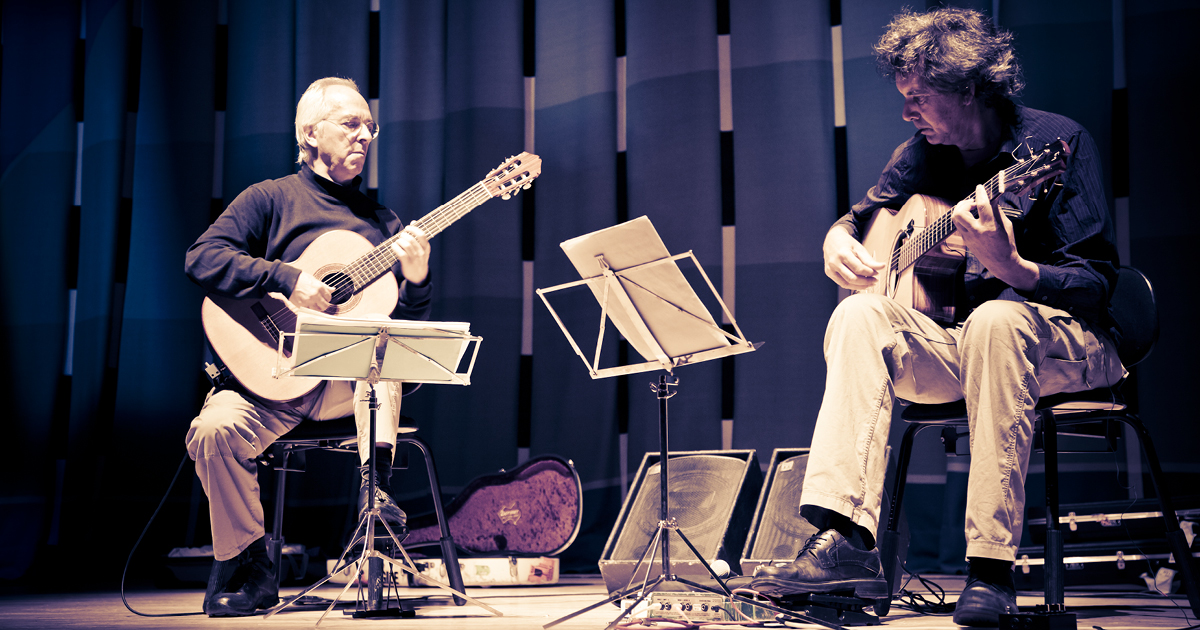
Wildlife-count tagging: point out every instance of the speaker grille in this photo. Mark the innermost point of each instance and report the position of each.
(782, 530)
(702, 490)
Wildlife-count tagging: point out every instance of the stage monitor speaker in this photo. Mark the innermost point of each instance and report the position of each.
(777, 531)
(710, 495)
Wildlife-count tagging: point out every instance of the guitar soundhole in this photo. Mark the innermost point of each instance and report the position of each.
(345, 295)
(343, 287)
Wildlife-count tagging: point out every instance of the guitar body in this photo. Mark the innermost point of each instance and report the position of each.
(245, 333)
(923, 254)
(929, 284)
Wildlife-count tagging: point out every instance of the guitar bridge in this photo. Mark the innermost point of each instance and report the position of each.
(264, 319)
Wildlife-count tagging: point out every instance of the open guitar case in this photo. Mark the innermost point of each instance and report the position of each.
(532, 510)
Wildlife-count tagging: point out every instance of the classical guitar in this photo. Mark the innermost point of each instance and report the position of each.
(245, 333)
(918, 242)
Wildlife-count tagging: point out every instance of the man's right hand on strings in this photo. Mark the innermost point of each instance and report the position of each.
(848, 263)
(311, 293)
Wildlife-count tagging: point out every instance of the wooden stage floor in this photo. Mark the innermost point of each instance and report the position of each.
(523, 607)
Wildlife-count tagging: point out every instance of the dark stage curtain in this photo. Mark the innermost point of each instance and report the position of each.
(126, 126)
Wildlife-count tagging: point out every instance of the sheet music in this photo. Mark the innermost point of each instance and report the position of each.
(632, 244)
(341, 348)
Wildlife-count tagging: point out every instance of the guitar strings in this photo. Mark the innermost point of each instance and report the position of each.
(381, 258)
(943, 226)
(432, 224)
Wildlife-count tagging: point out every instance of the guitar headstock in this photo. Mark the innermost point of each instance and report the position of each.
(1038, 168)
(513, 175)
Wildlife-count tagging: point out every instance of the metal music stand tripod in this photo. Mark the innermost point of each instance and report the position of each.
(642, 290)
(344, 349)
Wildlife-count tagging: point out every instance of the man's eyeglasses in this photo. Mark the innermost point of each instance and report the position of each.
(353, 125)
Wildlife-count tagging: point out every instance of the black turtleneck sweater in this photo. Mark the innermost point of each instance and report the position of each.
(244, 253)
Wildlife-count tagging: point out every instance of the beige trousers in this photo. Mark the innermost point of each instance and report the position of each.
(233, 429)
(1001, 360)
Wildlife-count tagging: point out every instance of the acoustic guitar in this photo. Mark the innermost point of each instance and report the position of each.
(918, 242)
(245, 333)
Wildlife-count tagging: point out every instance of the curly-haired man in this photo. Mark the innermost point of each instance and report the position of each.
(1030, 317)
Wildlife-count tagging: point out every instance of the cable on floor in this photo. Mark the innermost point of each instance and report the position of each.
(125, 572)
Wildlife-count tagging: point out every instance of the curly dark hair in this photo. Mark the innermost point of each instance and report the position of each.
(952, 49)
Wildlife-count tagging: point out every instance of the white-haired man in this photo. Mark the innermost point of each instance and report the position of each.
(244, 254)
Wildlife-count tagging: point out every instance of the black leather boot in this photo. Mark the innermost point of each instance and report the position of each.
(389, 512)
(242, 585)
(219, 579)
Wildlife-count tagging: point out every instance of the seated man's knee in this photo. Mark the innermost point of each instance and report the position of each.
(999, 315)
(215, 434)
(862, 307)
(1000, 324)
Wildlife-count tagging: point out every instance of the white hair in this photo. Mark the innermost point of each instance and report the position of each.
(312, 109)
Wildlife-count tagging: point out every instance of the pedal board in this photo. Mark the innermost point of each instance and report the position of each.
(1038, 621)
(839, 609)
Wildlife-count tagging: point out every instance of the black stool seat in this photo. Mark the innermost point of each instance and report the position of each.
(1063, 404)
(339, 429)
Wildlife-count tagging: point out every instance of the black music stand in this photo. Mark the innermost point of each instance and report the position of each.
(642, 290)
(345, 349)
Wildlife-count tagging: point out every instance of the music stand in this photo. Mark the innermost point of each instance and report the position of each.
(358, 350)
(642, 290)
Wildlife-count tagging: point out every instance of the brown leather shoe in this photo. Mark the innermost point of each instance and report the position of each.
(827, 563)
(981, 604)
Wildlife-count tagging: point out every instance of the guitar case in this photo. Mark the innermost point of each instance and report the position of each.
(534, 509)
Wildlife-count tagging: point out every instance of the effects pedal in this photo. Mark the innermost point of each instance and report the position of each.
(694, 607)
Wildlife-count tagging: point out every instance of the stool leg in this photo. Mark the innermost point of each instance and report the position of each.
(1054, 542)
(889, 539)
(1175, 536)
(449, 553)
(275, 538)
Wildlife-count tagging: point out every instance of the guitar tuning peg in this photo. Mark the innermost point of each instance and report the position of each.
(527, 186)
(506, 196)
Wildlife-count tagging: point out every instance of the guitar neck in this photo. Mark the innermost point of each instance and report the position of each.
(381, 259)
(443, 216)
(940, 228)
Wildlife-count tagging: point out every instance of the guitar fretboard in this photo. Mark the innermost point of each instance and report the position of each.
(942, 227)
(381, 259)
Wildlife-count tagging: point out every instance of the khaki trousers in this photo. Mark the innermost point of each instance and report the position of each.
(233, 429)
(1001, 360)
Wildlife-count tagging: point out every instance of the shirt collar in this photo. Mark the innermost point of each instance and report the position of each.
(338, 191)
